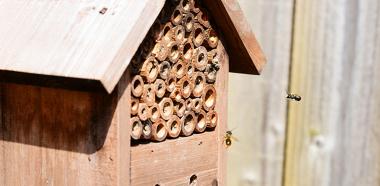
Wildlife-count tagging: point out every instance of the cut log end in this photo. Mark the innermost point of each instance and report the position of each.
(136, 128)
(179, 34)
(174, 126)
(198, 35)
(149, 94)
(199, 81)
(186, 5)
(164, 70)
(175, 51)
(188, 22)
(155, 112)
(180, 107)
(212, 119)
(179, 69)
(196, 105)
(147, 130)
(160, 88)
(201, 122)
(188, 123)
(200, 58)
(134, 106)
(144, 112)
(176, 17)
(137, 86)
(171, 83)
(186, 87)
(159, 131)
(166, 108)
(209, 97)
(150, 69)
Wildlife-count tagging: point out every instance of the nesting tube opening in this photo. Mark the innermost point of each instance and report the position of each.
(159, 131)
(136, 128)
(201, 122)
(209, 98)
(174, 126)
(188, 123)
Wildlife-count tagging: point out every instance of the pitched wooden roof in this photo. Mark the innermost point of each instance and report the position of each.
(95, 40)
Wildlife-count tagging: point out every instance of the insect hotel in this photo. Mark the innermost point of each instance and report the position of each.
(118, 92)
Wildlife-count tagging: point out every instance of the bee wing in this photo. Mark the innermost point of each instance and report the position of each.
(234, 138)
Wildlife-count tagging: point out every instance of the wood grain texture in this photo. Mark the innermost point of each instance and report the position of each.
(124, 128)
(334, 134)
(74, 39)
(178, 159)
(58, 137)
(221, 107)
(257, 105)
(240, 41)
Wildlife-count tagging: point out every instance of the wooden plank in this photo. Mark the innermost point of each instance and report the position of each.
(175, 159)
(58, 137)
(333, 135)
(240, 41)
(123, 116)
(256, 104)
(74, 38)
(221, 85)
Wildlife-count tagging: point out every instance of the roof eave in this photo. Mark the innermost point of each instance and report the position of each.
(245, 53)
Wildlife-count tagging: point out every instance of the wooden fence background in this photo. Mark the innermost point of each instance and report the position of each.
(328, 51)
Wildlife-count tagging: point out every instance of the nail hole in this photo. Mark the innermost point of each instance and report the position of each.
(193, 179)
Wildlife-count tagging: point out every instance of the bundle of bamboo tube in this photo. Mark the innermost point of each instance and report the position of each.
(172, 87)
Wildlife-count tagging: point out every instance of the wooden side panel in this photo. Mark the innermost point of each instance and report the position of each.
(334, 133)
(177, 159)
(174, 161)
(257, 105)
(57, 137)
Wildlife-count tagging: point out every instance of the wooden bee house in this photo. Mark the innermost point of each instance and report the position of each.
(118, 92)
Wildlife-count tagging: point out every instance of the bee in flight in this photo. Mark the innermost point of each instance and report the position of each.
(228, 138)
(294, 97)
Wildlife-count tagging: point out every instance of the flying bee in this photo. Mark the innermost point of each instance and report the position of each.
(294, 97)
(228, 138)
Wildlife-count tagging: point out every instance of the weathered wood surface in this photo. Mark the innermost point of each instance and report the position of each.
(256, 103)
(60, 137)
(165, 162)
(124, 128)
(221, 107)
(334, 132)
(80, 39)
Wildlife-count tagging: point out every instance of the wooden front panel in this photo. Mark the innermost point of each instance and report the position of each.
(174, 161)
(54, 136)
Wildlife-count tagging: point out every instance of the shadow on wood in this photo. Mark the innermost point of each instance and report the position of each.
(56, 118)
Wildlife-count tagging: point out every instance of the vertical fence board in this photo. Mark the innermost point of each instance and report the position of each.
(333, 136)
(256, 103)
